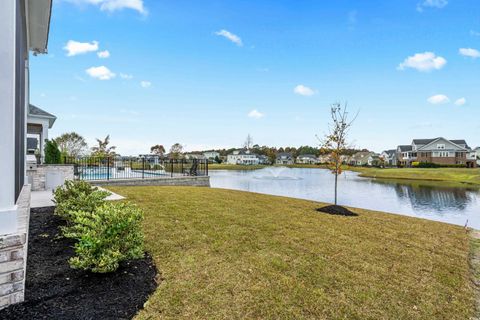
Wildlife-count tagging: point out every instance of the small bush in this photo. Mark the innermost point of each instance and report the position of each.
(106, 236)
(77, 196)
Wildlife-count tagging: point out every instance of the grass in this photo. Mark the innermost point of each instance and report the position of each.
(226, 254)
(457, 175)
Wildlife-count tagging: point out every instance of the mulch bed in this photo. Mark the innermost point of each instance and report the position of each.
(55, 291)
(337, 210)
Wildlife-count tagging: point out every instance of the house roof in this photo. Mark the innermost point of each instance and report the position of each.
(459, 143)
(34, 111)
(312, 156)
(404, 148)
(391, 152)
(423, 141)
(362, 155)
(284, 154)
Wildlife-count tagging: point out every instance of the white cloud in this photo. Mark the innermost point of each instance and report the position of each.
(431, 4)
(474, 33)
(230, 36)
(460, 102)
(103, 54)
(255, 114)
(145, 84)
(438, 99)
(101, 73)
(126, 76)
(424, 62)
(43, 95)
(74, 47)
(114, 5)
(469, 52)
(304, 90)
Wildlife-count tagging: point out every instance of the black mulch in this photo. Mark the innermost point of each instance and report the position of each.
(55, 291)
(337, 210)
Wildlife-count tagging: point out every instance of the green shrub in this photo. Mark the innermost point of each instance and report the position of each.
(77, 196)
(52, 153)
(106, 236)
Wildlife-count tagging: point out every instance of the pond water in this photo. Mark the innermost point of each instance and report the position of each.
(419, 199)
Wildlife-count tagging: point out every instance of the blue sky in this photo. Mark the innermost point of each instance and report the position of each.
(207, 73)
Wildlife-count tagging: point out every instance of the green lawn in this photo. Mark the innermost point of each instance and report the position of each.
(225, 254)
(457, 175)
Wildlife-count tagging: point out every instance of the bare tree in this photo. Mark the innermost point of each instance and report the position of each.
(248, 142)
(335, 141)
(71, 144)
(176, 151)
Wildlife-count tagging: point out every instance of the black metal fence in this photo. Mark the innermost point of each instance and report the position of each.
(110, 168)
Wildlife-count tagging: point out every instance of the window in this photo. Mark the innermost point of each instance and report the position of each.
(440, 146)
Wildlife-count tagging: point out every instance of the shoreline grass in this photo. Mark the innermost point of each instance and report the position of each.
(232, 254)
(452, 175)
(457, 177)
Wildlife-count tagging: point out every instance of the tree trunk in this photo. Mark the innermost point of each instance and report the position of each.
(336, 179)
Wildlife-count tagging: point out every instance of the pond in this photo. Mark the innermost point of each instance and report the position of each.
(418, 199)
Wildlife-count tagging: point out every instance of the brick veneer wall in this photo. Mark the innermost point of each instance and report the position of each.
(13, 255)
(37, 174)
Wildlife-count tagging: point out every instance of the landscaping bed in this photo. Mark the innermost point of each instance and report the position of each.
(56, 291)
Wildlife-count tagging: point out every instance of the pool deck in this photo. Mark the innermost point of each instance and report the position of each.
(41, 199)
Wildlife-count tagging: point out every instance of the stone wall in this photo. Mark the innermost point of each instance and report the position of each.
(175, 181)
(38, 175)
(13, 255)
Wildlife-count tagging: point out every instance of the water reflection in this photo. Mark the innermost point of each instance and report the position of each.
(428, 200)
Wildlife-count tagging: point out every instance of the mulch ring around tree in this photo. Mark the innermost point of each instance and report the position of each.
(56, 291)
(337, 210)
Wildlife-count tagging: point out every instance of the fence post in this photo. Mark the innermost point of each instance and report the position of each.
(206, 168)
(143, 168)
(181, 171)
(108, 168)
(171, 167)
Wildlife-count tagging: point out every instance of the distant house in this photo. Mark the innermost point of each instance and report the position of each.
(477, 155)
(243, 157)
(211, 155)
(324, 158)
(437, 150)
(307, 159)
(362, 158)
(284, 158)
(196, 156)
(389, 158)
(263, 159)
(38, 123)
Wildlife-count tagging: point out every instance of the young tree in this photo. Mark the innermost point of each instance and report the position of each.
(72, 144)
(103, 150)
(176, 151)
(248, 142)
(158, 149)
(52, 153)
(335, 141)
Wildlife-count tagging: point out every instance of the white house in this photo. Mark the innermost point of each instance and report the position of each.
(284, 158)
(389, 157)
(38, 123)
(24, 27)
(244, 157)
(307, 159)
(211, 155)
